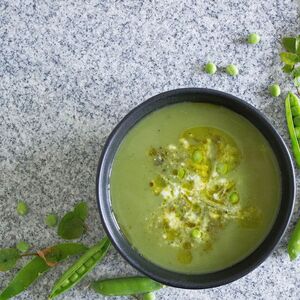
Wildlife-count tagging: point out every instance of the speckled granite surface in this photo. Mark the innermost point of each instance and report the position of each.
(70, 70)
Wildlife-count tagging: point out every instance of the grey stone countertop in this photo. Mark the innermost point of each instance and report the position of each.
(70, 70)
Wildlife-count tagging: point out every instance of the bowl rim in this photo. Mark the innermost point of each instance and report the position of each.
(239, 269)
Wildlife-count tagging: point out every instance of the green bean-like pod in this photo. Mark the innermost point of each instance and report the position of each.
(126, 286)
(36, 267)
(80, 268)
(294, 243)
(292, 102)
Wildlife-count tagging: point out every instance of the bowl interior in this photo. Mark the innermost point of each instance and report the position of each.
(203, 280)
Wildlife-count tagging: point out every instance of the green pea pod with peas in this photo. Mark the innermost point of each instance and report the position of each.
(37, 266)
(292, 110)
(80, 268)
(126, 286)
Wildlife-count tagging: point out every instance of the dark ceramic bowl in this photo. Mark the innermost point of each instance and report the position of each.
(202, 280)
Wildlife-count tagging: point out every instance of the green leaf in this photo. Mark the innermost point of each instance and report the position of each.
(287, 69)
(289, 44)
(8, 258)
(36, 267)
(71, 226)
(289, 58)
(81, 210)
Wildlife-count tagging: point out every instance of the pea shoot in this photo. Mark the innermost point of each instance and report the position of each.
(253, 38)
(274, 90)
(232, 70)
(22, 208)
(210, 68)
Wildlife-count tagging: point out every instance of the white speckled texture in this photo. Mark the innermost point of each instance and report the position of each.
(70, 70)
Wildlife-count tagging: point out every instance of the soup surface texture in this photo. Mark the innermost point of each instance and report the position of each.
(195, 187)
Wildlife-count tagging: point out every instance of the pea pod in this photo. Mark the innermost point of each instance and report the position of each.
(292, 105)
(80, 268)
(126, 286)
(294, 242)
(36, 267)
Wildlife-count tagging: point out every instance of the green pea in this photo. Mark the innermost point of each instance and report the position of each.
(51, 220)
(22, 208)
(232, 70)
(196, 233)
(234, 198)
(181, 173)
(294, 101)
(295, 110)
(297, 132)
(148, 296)
(274, 90)
(297, 121)
(22, 246)
(222, 168)
(210, 68)
(197, 156)
(253, 38)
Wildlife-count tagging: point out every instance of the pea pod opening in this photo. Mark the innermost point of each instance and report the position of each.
(80, 268)
(36, 267)
(125, 286)
(292, 101)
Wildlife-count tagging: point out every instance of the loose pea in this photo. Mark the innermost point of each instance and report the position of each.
(222, 168)
(197, 156)
(253, 38)
(274, 90)
(23, 246)
(22, 208)
(295, 110)
(297, 121)
(234, 198)
(210, 68)
(51, 220)
(126, 286)
(148, 296)
(232, 70)
(196, 233)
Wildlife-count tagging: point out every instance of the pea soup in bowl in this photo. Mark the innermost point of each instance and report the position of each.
(195, 188)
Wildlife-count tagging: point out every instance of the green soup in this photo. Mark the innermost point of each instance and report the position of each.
(195, 187)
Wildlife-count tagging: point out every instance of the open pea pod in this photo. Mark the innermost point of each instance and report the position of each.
(36, 267)
(80, 268)
(292, 109)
